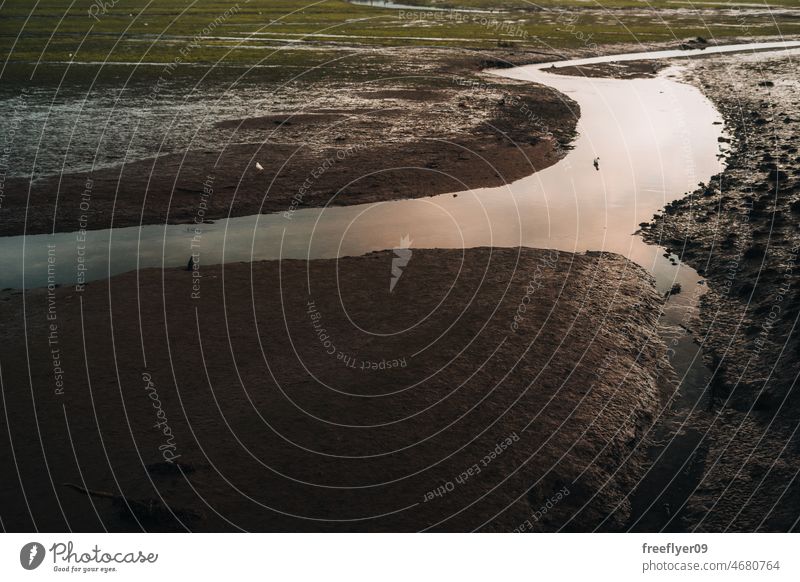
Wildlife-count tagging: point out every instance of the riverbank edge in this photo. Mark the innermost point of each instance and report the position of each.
(739, 232)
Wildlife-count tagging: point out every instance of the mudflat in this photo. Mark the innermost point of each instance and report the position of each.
(432, 125)
(740, 232)
(490, 389)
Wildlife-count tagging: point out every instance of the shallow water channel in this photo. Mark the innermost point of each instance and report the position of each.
(653, 140)
(656, 139)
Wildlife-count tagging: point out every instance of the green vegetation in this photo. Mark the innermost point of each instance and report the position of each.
(301, 34)
(599, 4)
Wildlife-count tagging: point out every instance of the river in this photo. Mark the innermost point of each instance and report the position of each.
(656, 139)
(653, 140)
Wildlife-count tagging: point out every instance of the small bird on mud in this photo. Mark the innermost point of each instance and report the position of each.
(596, 164)
(259, 167)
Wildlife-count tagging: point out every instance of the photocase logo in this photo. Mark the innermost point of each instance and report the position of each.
(402, 255)
(31, 555)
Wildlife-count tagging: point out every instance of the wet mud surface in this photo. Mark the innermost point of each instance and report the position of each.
(432, 124)
(491, 390)
(319, 441)
(740, 232)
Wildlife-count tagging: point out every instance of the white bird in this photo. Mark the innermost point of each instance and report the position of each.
(259, 167)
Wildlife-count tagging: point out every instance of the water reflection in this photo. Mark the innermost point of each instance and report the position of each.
(655, 140)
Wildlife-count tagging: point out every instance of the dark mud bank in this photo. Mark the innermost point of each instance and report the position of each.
(740, 232)
(487, 409)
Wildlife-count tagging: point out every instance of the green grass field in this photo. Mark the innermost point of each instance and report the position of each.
(610, 4)
(302, 34)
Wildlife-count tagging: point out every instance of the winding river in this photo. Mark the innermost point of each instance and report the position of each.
(656, 139)
(653, 139)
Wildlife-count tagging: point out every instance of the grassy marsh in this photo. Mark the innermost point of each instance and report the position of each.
(39, 40)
